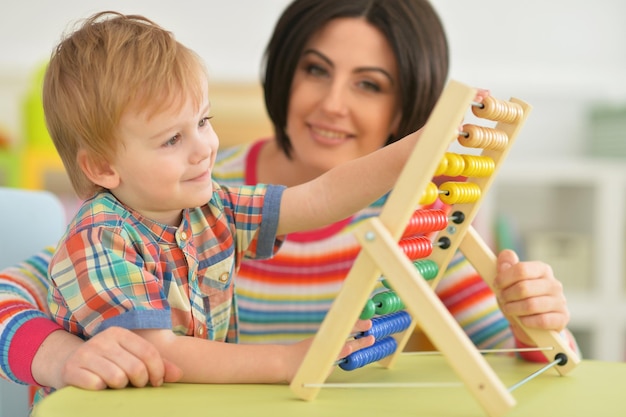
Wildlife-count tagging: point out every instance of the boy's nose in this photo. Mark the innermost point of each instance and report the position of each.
(201, 149)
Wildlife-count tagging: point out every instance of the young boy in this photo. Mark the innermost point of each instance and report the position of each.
(154, 246)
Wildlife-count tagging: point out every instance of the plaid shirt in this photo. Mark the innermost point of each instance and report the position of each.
(115, 267)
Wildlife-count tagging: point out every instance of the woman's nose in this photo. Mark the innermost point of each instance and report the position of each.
(335, 101)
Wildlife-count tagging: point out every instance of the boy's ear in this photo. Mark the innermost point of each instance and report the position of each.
(99, 171)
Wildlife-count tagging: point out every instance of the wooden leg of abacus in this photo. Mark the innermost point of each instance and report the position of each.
(484, 260)
(381, 255)
(364, 274)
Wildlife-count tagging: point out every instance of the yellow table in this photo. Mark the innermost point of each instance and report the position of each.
(592, 389)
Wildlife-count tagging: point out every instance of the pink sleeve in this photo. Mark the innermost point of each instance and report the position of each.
(25, 343)
(24, 319)
(538, 356)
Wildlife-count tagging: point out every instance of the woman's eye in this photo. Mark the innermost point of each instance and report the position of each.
(369, 86)
(316, 70)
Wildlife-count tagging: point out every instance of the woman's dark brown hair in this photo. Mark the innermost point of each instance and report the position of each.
(412, 28)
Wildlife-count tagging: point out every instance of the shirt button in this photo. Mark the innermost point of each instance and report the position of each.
(224, 277)
(200, 330)
(183, 235)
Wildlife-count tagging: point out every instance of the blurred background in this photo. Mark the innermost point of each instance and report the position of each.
(560, 55)
(561, 196)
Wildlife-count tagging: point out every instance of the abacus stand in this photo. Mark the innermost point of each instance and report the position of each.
(381, 255)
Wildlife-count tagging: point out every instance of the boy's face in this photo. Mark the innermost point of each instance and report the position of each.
(165, 160)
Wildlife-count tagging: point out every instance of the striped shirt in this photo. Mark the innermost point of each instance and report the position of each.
(284, 299)
(24, 317)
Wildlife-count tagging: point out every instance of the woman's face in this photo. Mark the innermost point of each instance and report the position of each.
(344, 97)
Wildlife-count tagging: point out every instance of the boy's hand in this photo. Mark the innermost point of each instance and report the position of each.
(116, 358)
(480, 95)
(300, 349)
(353, 345)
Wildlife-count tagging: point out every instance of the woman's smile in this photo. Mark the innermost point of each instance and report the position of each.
(327, 136)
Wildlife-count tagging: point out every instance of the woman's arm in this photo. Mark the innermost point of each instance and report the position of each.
(24, 323)
(37, 351)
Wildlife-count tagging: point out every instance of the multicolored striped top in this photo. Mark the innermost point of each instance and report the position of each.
(24, 317)
(280, 300)
(284, 299)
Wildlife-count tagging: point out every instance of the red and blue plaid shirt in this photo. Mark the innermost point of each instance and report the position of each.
(115, 267)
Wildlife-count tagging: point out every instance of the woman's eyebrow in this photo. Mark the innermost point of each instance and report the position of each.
(357, 70)
(376, 69)
(319, 55)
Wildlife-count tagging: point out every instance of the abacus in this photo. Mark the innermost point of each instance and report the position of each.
(383, 253)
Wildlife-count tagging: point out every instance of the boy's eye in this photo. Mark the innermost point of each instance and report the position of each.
(204, 121)
(172, 141)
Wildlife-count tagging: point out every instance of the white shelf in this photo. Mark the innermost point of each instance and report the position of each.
(587, 197)
(563, 171)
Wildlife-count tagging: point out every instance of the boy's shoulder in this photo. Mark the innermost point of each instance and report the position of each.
(103, 209)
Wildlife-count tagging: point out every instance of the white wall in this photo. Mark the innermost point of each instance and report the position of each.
(230, 35)
(560, 55)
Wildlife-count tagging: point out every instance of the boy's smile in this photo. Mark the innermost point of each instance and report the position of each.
(165, 160)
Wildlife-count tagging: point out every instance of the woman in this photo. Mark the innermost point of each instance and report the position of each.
(341, 80)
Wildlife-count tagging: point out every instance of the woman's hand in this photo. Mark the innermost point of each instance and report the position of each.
(530, 292)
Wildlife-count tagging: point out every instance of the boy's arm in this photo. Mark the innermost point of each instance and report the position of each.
(206, 361)
(345, 189)
(211, 362)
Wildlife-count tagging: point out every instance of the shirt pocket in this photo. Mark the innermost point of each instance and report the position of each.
(215, 285)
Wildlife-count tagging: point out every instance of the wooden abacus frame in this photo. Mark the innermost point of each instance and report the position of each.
(381, 255)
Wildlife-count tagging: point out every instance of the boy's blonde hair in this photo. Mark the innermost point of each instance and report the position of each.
(110, 63)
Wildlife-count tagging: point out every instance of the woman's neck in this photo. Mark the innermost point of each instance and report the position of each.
(273, 167)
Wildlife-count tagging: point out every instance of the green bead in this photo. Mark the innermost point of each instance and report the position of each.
(387, 302)
(369, 310)
(427, 268)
